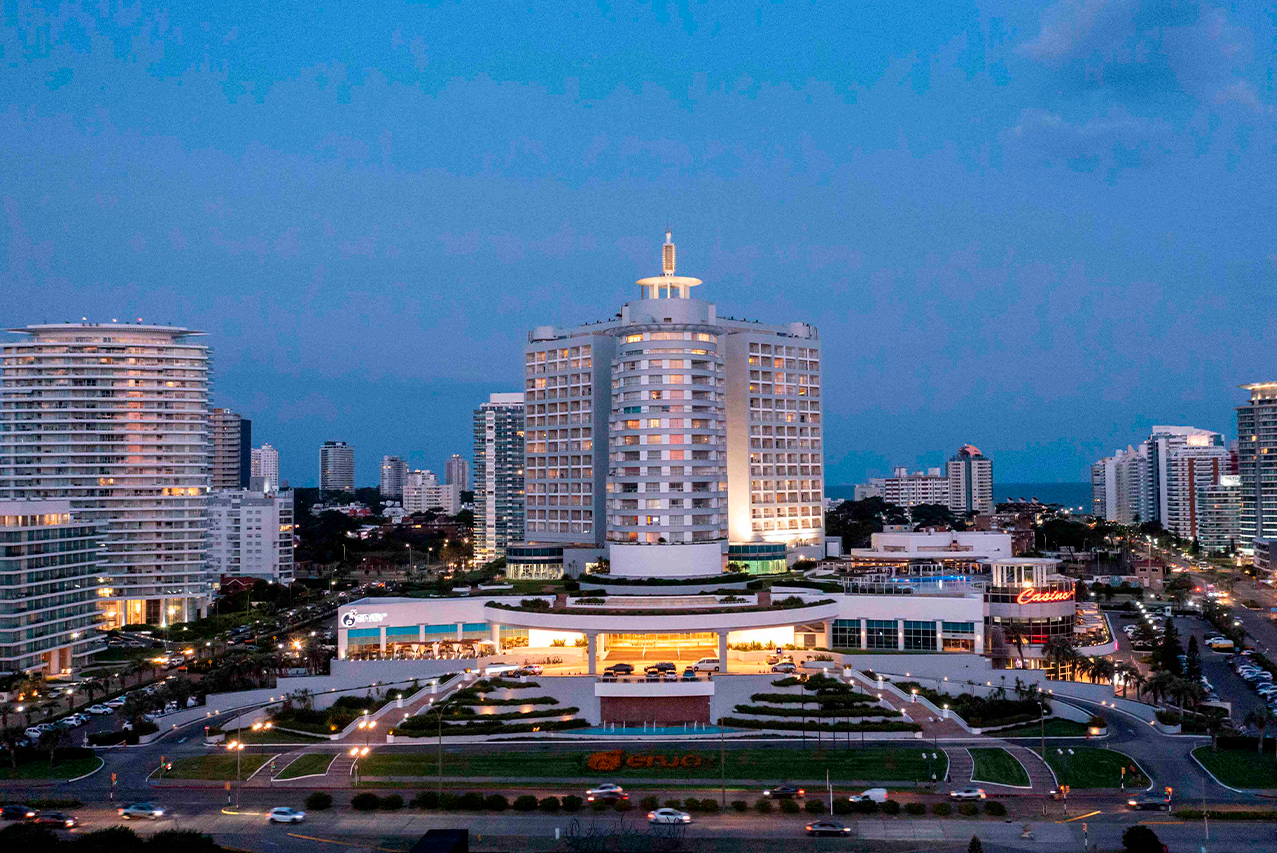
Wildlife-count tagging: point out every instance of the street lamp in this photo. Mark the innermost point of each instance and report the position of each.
(366, 726)
(236, 747)
(357, 753)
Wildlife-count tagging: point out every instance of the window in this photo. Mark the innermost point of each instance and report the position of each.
(920, 636)
(881, 634)
(846, 634)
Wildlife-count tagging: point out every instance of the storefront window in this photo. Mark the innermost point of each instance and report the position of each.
(881, 634)
(846, 633)
(920, 636)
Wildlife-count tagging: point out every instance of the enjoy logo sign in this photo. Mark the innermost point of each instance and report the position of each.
(353, 617)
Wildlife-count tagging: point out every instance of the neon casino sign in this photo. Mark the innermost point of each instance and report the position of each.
(1031, 596)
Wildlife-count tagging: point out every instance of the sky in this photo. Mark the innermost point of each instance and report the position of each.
(1036, 228)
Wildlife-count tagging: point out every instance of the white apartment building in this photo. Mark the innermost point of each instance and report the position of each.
(1190, 469)
(394, 475)
(1218, 511)
(907, 489)
(265, 464)
(457, 472)
(424, 493)
(336, 467)
(970, 475)
(498, 475)
(1257, 467)
(671, 431)
(114, 418)
(1164, 442)
(251, 534)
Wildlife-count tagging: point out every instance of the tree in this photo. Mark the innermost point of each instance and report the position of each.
(1059, 649)
(1168, 652)
(1102, 670)
(1128, 673)
(934, 515)
(1215, 720)
(1159, 686)
(1141, 839)
(1261, 720)
(975, 846)
(114, 839)
(1193, 666)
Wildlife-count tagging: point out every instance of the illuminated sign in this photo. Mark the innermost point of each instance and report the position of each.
(351, 618)
(1032, 596)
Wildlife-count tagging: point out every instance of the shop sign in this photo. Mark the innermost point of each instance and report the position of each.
(351, 618)
(614, 759)
(1031, 596)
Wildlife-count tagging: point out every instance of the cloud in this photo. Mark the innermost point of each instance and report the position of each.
(1147, 48)
(1112, 142)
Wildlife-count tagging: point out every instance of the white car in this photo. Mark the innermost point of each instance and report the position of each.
(967, 794)
(668, 816)
(283, 814)
(34, 733)
(877, 795)
(706, 665)
(117, 702)
(99, 710)
(605, 788)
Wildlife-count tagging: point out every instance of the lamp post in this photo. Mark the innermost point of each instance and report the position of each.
(238, 748)
(357, 753)
(1042, 721)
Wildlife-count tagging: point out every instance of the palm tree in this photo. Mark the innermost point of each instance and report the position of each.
(1060, 650)
(1260, 720)
(1102, 669)
(1215, 719)
(1138, 679)
(1159, 686)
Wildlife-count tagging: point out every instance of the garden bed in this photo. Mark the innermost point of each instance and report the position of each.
(996, 766)
(1092, 767)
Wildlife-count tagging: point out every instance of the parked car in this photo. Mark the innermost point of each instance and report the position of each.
(827, 827)
(533, 669)
(146, 810)
(707, 665)
(621, 669)
(117, 702)
(661, 667)
(58, 819)
(689, 674)
(283, 814)
(877, 795)
(1158, 802)
(967, 794)
(99, 710)
(668, 816)
(784, 791)
(784, 666)
(16, 812)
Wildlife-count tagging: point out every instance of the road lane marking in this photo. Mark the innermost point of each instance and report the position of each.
(344, 843)
(1079, 817)
(1161, 823)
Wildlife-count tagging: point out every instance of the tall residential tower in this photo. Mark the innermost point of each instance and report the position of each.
(1257, 466)
(498, 475)
(336, 467)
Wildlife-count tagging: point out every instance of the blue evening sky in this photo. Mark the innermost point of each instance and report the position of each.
(1038, 228)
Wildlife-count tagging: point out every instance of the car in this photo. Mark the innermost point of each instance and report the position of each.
(661, 667)
(620, 669)
(605, 788)
(99, 710)
(689, 674)
(668, 816)
(610, 797)
(146, 810)
(16, 812)
(59, 819)
(117, 702)
(784, 667)
(283, 814)
(533, 669)
(1158, 802)
(876, 795)
(33, 733)
(967, 794)
(707, 665)
(784, 790)
(608, 675)
(827, 827)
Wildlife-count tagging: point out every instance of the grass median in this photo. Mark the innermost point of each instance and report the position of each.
(1092, 767)
(1239, 768)
(1054, 728)
(310, 764)
(999, 767)
(874, 764)
(271, 735)
(62, 770)
(218, 768)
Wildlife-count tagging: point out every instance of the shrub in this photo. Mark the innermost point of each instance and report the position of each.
(391, 803)
(1096, 722)
(426, 800)
(673, 804)
(915, 808)
(763, 806)
(1141, 839)
(942, 809)
(865, 807)
(891, 807)
(319, 801)
(525, 803)
(624, 805)
(814, 806)
(1169, 718)
(975, 846)
(789, 807)
(995, 809)
(18, 836)
(450, 802)
(496, 803)
(842, 806)
(598, 806)
(549, 804)
(572, 803)
(650, 802)
(471, 801)
(968, 809)
(365, 802)
(709, 805)
(739, 805)
(691, 805)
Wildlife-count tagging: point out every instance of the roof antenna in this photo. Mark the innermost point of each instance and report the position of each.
(667, 252)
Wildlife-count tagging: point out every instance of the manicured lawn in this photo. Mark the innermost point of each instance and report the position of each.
(1091, 767)
(1239, 768)
(1054, 728)
(310, 764)
(997, 765)
(269, 736)
(217, 767)
(875, 764)
(41, 769)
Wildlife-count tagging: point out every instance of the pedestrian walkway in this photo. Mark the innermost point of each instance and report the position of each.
(961, 765)
(1041, 776)
(282, 762)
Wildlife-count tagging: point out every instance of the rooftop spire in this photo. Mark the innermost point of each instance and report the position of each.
(667, 253)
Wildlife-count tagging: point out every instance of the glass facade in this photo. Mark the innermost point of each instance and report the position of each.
(920, 636)
(533, 562)
(881, 634)
(758, 559)
(846, 633)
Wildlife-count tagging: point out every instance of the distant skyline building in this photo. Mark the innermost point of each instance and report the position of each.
(457, 472)
(114, 417)
(908, 489)
(336, 467)
(1257, 465)
(265, 464)
(424, 493)
(394, 472)
(498, 475)
(1191, 468)
(970, 475)
(232, 443)
(1162, 444)
(50, 560)
(1219, 508)
(1120, 489)
(251, 534)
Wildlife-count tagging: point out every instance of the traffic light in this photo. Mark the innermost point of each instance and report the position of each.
(112, 778)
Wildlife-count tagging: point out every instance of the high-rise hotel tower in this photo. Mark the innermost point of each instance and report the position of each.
(114, 418)
(675, 439)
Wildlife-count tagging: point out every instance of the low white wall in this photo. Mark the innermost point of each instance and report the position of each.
(588, 586)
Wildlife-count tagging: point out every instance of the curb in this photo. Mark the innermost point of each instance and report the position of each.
(1215, 779)
(101, 764)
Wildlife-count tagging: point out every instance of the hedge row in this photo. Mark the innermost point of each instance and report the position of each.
(480, 700)
(822, 699)
(850, 711)
(786, 725)
(426, 730)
